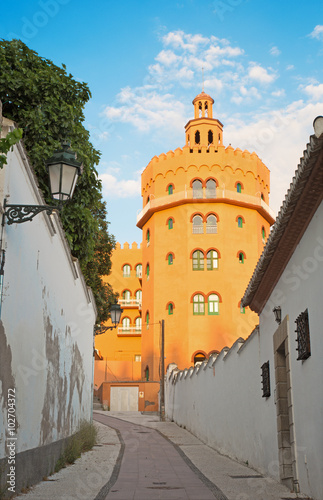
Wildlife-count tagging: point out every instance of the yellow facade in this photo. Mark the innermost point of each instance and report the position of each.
(120, 348)
(204, 220)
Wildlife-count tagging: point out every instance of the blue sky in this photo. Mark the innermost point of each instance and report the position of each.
(263, 65)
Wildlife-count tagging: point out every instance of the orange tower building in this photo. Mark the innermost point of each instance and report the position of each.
(205, 219)
(118, 351)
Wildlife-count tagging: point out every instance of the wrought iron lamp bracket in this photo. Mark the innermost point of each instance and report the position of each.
(102, 329)
(16, 214)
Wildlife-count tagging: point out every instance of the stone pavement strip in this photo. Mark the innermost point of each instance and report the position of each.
(141, 458)
(152, 469)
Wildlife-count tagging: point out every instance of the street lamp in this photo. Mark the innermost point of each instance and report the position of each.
(278, 314)
(63, 170)
(115, 312)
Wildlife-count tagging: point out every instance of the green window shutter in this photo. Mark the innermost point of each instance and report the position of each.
(198, 261)
(198, 304)
(213, 304)
(212, 260)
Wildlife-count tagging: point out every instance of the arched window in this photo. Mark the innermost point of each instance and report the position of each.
(206, 109)
(170, 189)
(147, 320)
(170, 223)
(199, 357)
(126, 324)
(139, 270)
(211, 188)
(148, 237)
(263, 234)
(138, 297)
(138, 324)
(126, 296)
(197, 189)
(147, 271)
(240, 222)
(197, 137)
(210, 137)
(147, 373)
(241, 257)
(212, 260)
(170, 308)
(198, 260)
(197, 224)
(198, 304)
(211, 224)
(213, 304)
(126, 271)
(239, 187)
(170, 259)
(262, 197)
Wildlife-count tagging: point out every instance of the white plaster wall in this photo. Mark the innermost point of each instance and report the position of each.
(223, 405)
(222, 402)
(301, 287)
(47, 316)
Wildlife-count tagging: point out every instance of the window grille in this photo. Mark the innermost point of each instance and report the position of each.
(211, 189)
(211, 224)
(197, 224)
(197, 189)
(265, 380)
(303, 336)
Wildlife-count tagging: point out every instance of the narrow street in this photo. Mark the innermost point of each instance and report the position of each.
(138, 457)
(151, 468)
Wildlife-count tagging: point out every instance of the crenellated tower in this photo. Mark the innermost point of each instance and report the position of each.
(205, 219)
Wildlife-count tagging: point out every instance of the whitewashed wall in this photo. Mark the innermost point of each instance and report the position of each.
(221, 402)
(47, 318)
(299, 288)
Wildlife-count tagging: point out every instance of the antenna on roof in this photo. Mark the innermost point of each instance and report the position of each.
(202, 79)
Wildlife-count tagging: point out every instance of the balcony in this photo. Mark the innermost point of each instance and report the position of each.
(124, 303)
(130, 331)
(221, 195)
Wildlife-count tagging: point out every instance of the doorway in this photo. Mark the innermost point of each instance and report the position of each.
(284, 408)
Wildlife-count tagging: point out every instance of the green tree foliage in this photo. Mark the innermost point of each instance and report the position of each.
(7, 142)
(47, 103)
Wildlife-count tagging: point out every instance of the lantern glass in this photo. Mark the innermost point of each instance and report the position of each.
(115, 312)
(63, 179)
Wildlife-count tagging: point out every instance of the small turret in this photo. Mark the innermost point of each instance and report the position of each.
(203, 130)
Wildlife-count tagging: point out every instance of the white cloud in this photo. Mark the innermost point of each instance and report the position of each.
(260, 74)
(279, 138)
(146, 109)
(278, 93)
(315, 92)
(179, 39)
(168, 58)
(274, 51)
(290, 66)
(112, 187)
(317, 32)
